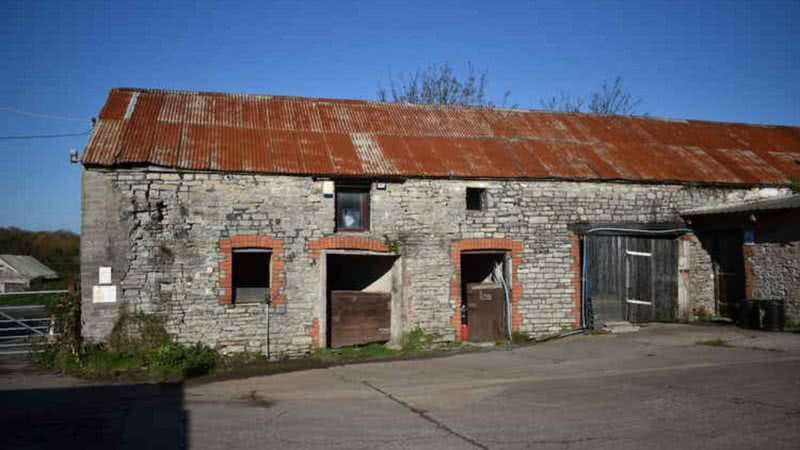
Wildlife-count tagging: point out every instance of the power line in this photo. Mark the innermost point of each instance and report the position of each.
(41, 116)
(44, 136)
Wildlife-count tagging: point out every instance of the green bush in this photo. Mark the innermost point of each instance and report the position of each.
(175, 360)
(518, 337)
(99, 362)
(63, 350)
(417, 341)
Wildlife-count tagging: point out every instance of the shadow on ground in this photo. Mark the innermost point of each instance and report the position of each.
(141, 416)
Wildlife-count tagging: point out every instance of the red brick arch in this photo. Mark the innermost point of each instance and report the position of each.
(278, 264)
(515, 247)
(316, 246)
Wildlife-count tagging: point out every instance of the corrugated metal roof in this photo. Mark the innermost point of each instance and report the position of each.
(293, 135)
(790, 202)
(28, 266)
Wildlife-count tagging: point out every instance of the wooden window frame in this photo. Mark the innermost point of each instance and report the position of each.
(366, 193)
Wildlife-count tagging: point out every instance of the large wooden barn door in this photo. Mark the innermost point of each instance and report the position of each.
(632, 278)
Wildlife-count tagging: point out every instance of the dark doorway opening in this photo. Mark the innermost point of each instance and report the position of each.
(485, 289)
(728, 260)
(358, 299)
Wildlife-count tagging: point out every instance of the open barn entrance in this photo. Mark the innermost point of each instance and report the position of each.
(486, 294)
(359, 297)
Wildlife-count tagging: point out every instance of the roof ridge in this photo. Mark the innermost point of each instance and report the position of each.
(450, 107)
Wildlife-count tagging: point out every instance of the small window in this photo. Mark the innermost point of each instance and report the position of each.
(251, 275)
(476, 199)
(352, 207)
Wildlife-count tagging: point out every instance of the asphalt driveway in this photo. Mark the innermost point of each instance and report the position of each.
(654, 389)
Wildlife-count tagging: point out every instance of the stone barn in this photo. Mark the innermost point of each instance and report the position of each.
(285, 224)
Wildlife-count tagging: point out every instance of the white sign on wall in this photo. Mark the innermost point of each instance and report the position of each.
(104, 275)
(104, 294)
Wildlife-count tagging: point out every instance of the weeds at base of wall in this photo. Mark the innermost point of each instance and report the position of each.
(701, 314)
(138, 348)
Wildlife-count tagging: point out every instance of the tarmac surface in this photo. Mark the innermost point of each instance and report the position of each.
(657, 388)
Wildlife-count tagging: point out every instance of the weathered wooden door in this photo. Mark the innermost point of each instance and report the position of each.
(632, 278)
(485, 313)
(359, 317)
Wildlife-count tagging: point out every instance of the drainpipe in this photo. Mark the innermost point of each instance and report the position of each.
(267, 302)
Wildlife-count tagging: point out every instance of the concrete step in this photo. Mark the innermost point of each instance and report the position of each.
(621, 326)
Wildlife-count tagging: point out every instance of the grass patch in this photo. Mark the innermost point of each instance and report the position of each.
(355, 353)
(29, 299)
(139, 349)
(714, 343)
(416, 341)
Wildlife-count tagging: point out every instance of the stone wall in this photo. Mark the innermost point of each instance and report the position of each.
(699, 278)
(773, 260)
(161, 233)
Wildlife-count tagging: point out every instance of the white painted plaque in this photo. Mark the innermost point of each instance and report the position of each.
(104, 294)
(328, 188)
(105, 275)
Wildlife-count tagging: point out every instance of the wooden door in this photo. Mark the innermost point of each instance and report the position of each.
(485, 313)
(359, 317)
(631, 278)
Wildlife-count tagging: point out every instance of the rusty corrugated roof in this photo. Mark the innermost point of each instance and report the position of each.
(312, 136)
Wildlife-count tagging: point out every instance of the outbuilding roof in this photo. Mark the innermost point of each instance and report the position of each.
(28, 267)
(773, 204)
(350, 138)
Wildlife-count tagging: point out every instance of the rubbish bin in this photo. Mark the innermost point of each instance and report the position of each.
(774, 317)
(748, 315)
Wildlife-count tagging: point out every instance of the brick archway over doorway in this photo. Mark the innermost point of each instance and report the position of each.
(510, 245)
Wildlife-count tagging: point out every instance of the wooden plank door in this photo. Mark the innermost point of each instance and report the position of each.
(651, 279)
(485, 313)
(359, 317)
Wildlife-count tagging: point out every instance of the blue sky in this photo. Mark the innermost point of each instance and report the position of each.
(716, 60)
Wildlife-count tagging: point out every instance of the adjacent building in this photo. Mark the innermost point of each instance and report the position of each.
(283, 224)
(17, 272)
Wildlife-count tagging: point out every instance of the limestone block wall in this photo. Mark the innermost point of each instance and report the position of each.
(161, 233)
(775, 271)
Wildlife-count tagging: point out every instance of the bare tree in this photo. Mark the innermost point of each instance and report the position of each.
(562, 103)
(440, 85)
(611, 98)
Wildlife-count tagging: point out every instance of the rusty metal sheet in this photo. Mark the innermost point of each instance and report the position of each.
(116, 105)
(396, 151)
(314, 153)
(343, 155)
(421, 150)
(754, 168)
(788, 163)
(292, 135)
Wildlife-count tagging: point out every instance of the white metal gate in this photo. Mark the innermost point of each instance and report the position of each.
(20, 326)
